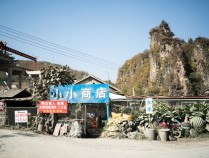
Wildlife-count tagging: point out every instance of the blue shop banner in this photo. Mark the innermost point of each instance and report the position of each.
(83, 93)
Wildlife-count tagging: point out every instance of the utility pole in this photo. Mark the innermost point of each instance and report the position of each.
(108, 77)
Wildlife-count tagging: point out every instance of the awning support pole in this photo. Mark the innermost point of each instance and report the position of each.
(108, 110)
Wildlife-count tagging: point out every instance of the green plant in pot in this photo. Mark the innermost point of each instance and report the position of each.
(199, 116)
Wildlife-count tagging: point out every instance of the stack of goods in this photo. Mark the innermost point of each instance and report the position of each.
(120, 126)
(69, 127)
(75, 130)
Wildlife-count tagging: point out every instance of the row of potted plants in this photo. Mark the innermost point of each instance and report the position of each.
(178, 121)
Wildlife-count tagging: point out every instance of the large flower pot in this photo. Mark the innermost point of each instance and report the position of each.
(163, 133)
(150, 134)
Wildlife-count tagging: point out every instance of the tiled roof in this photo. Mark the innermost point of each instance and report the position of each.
(96, 78)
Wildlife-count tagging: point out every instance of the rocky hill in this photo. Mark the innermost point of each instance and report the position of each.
(171, 67)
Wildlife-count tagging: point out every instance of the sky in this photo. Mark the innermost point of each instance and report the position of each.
(96, 36)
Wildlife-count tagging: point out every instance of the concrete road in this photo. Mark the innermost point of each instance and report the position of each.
(26, 144)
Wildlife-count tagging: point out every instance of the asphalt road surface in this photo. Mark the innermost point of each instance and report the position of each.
(26, 144)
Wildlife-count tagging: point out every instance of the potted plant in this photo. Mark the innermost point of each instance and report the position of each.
(146, 126)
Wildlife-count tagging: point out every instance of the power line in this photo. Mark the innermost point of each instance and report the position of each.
(75, 52)
(53, 50)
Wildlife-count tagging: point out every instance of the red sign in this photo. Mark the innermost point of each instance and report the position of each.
(54, 106)
(21, 116)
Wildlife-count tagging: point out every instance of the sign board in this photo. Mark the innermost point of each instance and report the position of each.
(55, 106)
(21, 116)
(148, 103)
(83, 93)
(57, 129)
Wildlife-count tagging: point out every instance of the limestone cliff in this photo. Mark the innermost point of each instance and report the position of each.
(172, 67)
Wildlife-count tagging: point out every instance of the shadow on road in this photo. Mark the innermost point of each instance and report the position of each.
(27, 134)
(20, 133)
(7, 136)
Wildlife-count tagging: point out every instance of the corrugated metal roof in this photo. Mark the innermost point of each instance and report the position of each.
(117, 97)
(175, 98)
(18, 99)
(12, 93)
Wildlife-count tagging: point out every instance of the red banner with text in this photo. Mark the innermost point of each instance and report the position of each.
(55, 106)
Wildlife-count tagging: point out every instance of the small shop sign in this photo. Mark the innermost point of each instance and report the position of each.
(54, 106)
(83, 93)
(149, 107)
(21, 116)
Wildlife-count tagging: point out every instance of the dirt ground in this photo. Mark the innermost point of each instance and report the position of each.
(27, 144)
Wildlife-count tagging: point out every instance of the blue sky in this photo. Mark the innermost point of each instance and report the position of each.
(105, 32)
